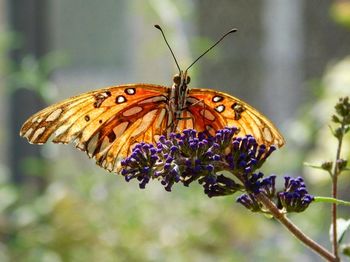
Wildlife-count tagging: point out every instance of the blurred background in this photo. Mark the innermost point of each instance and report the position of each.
(289, 59)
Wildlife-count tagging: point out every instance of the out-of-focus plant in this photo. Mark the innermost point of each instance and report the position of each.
(29, 72)
(340, 12)
(33, 74)
(341, 120)
(335, 82)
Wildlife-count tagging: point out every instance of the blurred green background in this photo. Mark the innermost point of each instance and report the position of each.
(289, 59)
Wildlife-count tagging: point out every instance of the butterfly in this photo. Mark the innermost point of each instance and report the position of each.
(108, 122)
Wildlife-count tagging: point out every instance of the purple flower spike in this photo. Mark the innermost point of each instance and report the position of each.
(189, 156)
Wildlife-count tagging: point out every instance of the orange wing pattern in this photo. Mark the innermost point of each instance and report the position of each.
(212, 110)
(105, 123)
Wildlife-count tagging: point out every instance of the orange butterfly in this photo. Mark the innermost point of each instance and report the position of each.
(106, 123)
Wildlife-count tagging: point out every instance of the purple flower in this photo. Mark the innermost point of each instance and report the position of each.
(294, 197)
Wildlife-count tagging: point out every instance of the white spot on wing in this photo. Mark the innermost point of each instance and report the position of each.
(267, 134)
(61, 130)
(37, 133)
(130, 91)
(28, 133)
(217, 99)
(220, 108)
(121, 99)
(54, 115)
(37, 119)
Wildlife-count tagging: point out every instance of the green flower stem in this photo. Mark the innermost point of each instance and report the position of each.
(277, 214)
(331, 200)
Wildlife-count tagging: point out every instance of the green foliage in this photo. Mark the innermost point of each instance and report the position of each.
(340, 12)
(34, 74)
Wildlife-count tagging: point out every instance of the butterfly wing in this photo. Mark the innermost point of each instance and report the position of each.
(212, 110)
(104, 123)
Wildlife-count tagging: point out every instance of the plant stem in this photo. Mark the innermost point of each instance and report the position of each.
(335, 193)
(295, 230)
(334, 216)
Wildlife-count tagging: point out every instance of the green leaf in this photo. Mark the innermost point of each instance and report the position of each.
(342, 226)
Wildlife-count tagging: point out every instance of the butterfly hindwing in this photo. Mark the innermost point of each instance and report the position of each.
(214, 110)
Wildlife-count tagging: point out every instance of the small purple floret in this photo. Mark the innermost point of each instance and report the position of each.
(294, 197)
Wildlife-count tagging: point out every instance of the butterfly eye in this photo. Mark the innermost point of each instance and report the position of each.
(188, 79)
(177, 79)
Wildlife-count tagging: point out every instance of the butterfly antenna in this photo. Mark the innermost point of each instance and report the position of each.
(229, 32)
(166, 41)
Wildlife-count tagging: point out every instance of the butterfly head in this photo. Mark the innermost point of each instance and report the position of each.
(181, 79)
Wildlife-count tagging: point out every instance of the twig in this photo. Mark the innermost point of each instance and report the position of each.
(295, 230)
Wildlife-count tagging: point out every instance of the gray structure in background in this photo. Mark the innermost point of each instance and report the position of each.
(28, 19)
(282, 53)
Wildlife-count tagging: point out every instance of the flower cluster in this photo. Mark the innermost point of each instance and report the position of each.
(194, 156)
(223, 164)
(294, 197)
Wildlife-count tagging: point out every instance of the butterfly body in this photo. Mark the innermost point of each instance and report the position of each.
(178, 99)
